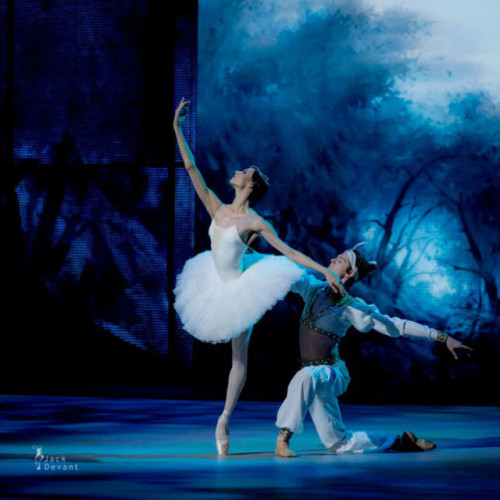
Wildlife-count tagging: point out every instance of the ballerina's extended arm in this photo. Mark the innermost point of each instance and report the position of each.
(206, 195)
(262, 227)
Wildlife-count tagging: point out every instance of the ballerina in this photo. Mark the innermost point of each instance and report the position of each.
(222, 293)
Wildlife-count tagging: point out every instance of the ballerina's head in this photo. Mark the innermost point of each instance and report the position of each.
(253, 180)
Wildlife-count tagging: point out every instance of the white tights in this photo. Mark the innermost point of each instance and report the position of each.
(237, 379)
(238, 373)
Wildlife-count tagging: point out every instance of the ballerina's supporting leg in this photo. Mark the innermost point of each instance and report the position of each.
(237, 378)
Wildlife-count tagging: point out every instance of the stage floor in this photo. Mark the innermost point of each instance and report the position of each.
(145, 448)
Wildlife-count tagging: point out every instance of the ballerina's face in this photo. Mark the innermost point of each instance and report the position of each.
(242, 177)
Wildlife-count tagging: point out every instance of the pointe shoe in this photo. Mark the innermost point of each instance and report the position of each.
(283, 450)
(222, 447)
(222, 435)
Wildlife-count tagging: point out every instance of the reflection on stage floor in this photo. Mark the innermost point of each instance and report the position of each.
(81, 447)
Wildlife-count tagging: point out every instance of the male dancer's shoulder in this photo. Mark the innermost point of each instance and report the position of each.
(307, 284)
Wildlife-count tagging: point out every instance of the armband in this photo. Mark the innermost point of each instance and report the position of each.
(441, 336)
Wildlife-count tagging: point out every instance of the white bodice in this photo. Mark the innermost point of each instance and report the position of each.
(227, 250)
(223, 292)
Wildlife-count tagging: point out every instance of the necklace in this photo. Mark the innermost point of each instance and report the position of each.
(309, 319)
(343, 302)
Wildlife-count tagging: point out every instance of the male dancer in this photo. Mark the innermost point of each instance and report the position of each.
(324, 377)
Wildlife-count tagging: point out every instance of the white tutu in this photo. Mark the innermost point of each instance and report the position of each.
(213, 310)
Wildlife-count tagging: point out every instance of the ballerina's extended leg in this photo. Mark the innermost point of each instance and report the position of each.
(237, 378)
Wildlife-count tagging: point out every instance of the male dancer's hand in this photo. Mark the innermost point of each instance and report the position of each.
(455, 347)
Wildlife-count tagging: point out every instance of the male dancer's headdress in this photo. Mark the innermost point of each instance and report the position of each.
(359, 264)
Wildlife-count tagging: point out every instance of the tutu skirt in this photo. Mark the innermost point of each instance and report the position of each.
(213, 310)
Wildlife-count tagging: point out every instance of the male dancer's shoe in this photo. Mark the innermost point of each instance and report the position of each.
(409, 442)
(222, 434)
(282, 447)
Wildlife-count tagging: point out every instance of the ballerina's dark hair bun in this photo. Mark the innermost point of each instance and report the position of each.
(260, 185)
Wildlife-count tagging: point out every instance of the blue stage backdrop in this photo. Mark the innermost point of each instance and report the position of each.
(79, 72)
(106, 214)
(374, 123)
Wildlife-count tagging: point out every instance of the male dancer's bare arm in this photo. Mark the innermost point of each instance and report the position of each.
(206, 195)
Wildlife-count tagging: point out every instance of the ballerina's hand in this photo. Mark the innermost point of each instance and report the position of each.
(336, 285)
(455, 346)
(181, 112)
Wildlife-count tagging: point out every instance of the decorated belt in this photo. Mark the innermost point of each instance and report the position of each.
(330, 360)
(310, 323)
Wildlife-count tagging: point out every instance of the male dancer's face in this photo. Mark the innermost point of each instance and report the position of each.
(341, 267)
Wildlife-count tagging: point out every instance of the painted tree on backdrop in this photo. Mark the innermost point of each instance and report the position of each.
(471, 189)
(317, 107)
(318, 98)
